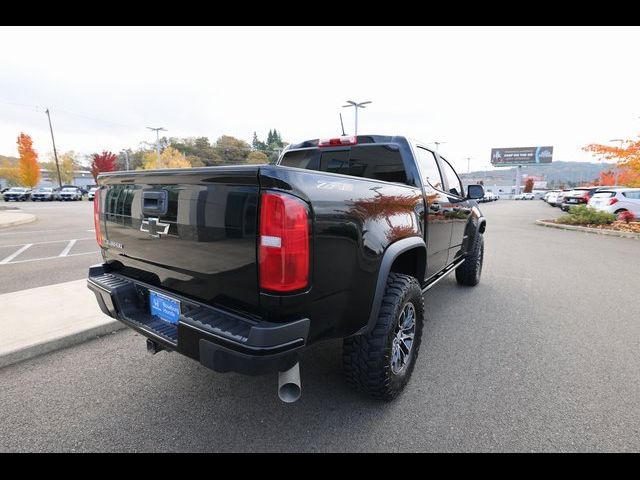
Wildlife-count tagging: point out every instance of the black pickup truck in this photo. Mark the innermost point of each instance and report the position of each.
(242, 267)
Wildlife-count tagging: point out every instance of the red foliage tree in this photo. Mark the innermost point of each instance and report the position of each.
(528, 185)
(102, 162)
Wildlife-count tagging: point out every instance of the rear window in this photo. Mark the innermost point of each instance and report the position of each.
(603, 195)
(634, 194)
(378, 162)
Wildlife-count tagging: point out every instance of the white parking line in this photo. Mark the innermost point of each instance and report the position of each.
(15, 254)
(51, 241)
(23, 232)
(50, 258)
(66, 250)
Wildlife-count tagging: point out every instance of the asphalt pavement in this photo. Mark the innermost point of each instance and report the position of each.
(59, 246)
(543, 355)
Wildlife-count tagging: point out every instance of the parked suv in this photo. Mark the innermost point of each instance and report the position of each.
(242, 267)
(617, 201)
(524, 196)
(45, 194)
(17, 194)
(70, 193)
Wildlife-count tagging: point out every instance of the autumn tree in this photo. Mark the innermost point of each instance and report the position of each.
(169, 158)
(627, 157)
(528, 185)
(68, 165)
(29, 167)
(607, 178)
(102, 162)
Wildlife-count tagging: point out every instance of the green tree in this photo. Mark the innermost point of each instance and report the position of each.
(257, 144)
(9, 170)
(257, 158)
(231, 150)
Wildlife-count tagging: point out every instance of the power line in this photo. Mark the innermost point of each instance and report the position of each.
(37, 108)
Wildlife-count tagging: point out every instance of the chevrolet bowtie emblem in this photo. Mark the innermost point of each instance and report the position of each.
(154, 227)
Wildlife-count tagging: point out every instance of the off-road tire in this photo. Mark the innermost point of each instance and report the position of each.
(367, 358)
(469, 272)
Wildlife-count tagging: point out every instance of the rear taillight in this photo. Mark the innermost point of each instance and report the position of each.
(337, 142)
(96, 217)
(613, 201)
(283, 249)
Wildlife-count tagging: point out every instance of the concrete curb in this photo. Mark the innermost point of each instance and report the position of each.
(611, 233)
(16, 219)
(64, 341)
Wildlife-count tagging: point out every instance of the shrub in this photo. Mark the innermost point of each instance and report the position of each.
(626, 216)
(583, 215)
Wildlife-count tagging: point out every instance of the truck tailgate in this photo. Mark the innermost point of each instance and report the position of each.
(192, 232)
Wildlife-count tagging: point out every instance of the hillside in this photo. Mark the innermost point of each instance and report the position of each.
(554, 173)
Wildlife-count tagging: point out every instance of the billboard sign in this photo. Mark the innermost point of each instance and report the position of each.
(507, 157)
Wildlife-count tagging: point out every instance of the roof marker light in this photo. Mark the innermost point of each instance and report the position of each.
(338, 141)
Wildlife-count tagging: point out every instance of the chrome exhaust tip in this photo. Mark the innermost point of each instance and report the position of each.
(289, 388)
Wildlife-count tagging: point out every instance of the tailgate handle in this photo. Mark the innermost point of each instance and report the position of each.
(155, 202)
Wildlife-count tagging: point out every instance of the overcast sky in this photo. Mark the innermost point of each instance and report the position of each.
(473, 88)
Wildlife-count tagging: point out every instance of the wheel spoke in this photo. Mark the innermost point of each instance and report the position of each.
(404, 348)
(404, 333)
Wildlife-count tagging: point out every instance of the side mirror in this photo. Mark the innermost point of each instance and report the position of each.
(475, 192)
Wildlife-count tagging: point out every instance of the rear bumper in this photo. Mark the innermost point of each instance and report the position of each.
(218, 339)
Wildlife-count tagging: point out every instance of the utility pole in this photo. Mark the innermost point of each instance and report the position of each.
(356, 106)
(157, 130)
(468, 165)
(55, 153)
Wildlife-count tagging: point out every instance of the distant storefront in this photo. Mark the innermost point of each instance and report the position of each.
(81, 178)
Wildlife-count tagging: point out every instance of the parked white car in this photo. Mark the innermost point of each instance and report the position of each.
(617, 200)
(552, 197)
(524, 196)
(92, 193)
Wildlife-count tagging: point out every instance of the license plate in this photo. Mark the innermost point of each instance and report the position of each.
(573, 201)
(166, 308)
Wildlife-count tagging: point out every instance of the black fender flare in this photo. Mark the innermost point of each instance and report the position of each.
(392, 252)
(475, 226)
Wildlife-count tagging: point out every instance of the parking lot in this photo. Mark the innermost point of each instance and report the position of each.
(58, 247)
(541, 356)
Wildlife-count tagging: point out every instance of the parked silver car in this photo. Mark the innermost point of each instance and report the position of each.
(70, 193)
(47, 194)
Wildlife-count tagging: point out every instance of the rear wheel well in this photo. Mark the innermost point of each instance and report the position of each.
(620, 210)
(412, 262)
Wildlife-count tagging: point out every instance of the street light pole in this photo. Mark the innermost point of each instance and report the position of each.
(55, 153)
(437, 144)
(126, 158)
(468, 165)
(157, 130)
(356, 106)
(615, 169)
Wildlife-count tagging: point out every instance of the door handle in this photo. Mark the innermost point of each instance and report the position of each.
(155, 202)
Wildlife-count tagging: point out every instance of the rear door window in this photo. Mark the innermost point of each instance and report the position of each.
(635, 195)
(378, 162)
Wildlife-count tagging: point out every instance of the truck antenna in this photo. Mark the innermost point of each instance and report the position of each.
(342, 125)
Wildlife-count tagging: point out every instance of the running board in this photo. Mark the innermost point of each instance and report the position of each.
(443, 274)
